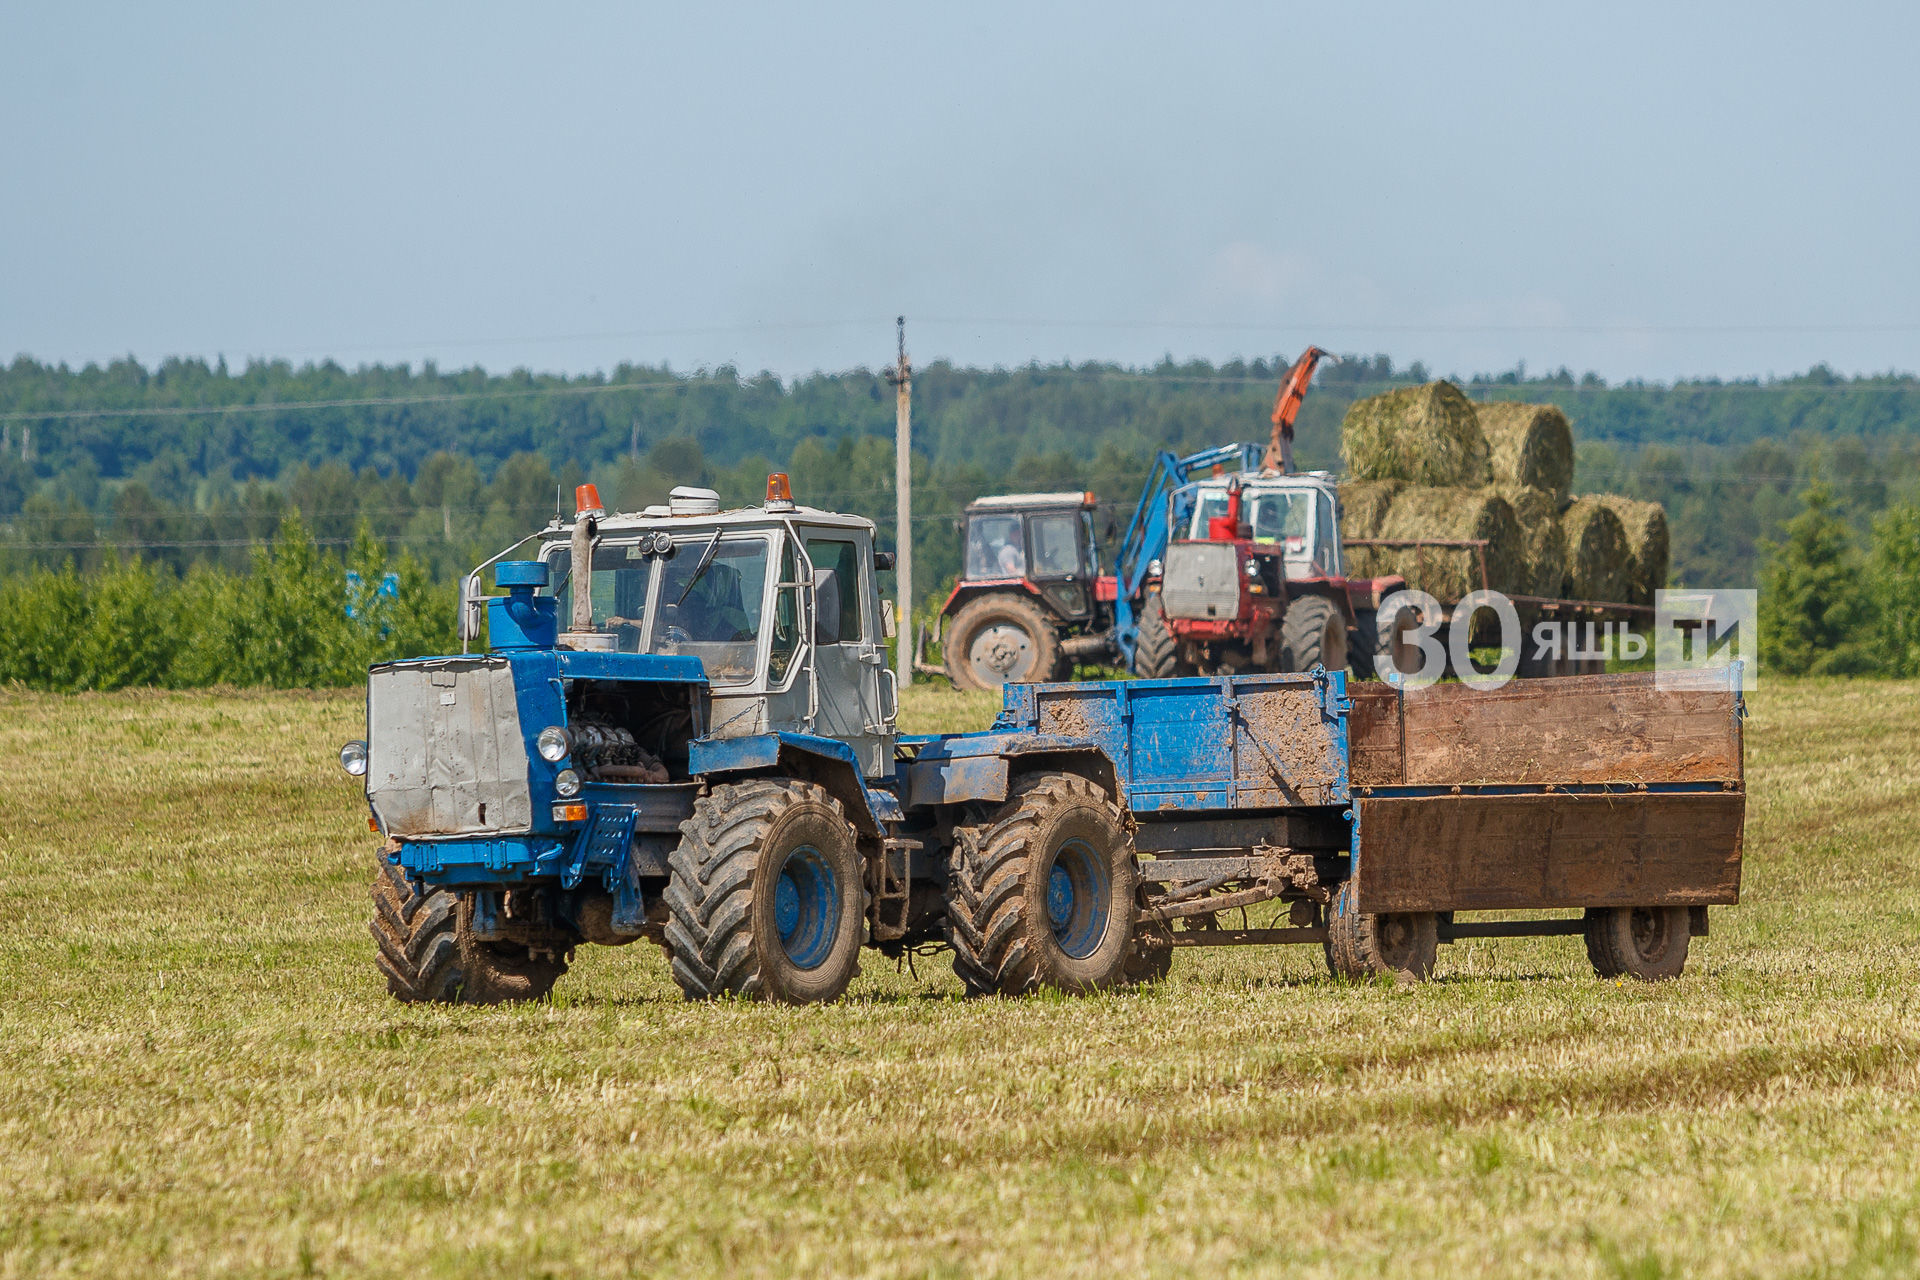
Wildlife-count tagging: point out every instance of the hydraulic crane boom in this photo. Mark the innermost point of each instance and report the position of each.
(1286, 407)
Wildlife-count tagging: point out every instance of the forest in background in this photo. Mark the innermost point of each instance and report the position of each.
(186, 463)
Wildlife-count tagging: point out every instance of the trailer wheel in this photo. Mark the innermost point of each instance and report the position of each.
(1359, 947)
(1001, 639)
(1043, 896)
(1156, 654)
(1313, 632)
(1649, 943)
(429, 955)
(766, 896)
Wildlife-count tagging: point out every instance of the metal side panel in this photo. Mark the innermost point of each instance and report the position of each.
(446, 756)
(1232, 742)
(1481, 852)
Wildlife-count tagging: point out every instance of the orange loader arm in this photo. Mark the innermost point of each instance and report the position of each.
(1286, 407)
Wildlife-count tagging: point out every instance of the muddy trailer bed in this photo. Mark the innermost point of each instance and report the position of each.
(1376, 815)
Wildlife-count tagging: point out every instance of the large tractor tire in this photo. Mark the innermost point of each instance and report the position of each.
(1156, 653)
(1363, 947)
(1384, 643)
(1043, 895)
(1649, 943)
(429, 955)
(766, 896)
(1313, 632)
(1001, 639)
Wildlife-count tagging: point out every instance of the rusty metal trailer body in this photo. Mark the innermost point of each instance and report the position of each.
(1354, 804)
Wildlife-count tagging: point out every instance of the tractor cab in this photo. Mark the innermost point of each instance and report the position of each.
(1292, 517)
(1030, 601)
(1043, 539)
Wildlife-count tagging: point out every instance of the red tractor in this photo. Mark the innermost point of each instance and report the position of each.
(1032, 600)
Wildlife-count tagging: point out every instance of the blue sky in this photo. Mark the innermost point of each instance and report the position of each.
(1650, 191)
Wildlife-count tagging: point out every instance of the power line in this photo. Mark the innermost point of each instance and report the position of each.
(1484, 386)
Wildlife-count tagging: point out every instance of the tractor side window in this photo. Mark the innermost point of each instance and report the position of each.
(710, 605)
(996, 547)
(1056, 546)
(844, 559)
(1327, 538)
(786, 618)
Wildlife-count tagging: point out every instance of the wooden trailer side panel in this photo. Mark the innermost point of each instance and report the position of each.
(1567, 731)
(1479, 852)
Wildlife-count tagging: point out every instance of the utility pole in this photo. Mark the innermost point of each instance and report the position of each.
(902, 380)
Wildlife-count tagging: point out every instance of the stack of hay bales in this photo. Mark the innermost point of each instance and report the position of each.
(1426, 462)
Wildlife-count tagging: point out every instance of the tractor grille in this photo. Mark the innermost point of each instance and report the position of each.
(1201, 580)
(445, 755)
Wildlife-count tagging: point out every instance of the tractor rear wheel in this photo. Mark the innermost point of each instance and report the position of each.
(1313, 632)
(1361, 947)
(429, 955)
(1043, 895)
(1156, 654)
(766, 895)
(1001, 639)
(1385, 643)
(1649, 943)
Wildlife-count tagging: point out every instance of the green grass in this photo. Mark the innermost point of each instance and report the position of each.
(200, 1071)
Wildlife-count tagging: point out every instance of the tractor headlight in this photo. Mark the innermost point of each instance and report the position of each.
(353, 758)
(566, 784)
(553, 744)
(1253, 568)
(1155, 568)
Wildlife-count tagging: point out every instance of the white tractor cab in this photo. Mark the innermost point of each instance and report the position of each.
(779, 603)
(1295, 515)
(1266, 591)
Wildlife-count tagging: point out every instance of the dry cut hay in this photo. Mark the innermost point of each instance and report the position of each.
(1645, 524)
(1544, 542)
(1363, 507)
(1448, 572)
(1427, 435)
(1529, 444)
(1599, 561)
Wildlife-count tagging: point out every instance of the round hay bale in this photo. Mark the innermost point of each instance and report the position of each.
(1363, 506)
(1645, 524)
(1451, 572)
(1544, 541)
(1427, 435)
(1529, 444)
(1599, 561)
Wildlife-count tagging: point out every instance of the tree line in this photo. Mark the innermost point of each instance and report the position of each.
(188, 468)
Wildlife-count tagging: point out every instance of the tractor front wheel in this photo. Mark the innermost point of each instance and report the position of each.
(1156, 653)
(1001, 639)
(429, 955)
(766, 896)
(1313, 633)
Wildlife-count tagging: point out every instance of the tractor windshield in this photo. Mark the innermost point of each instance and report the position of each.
(706, 605)
(1278, 517)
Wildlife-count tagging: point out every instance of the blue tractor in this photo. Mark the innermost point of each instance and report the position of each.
(682, 729)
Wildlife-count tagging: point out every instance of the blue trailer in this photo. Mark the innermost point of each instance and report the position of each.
(707, 758)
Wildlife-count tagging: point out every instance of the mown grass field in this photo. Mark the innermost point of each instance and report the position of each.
(200, 1071)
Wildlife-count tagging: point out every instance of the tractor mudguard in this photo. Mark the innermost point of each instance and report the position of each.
(981, 767)
(827, 761)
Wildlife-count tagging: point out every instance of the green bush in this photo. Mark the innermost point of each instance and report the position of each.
(294, 621)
